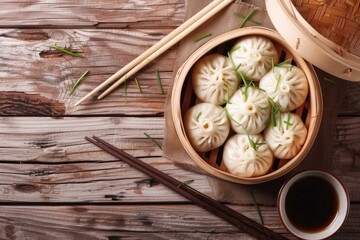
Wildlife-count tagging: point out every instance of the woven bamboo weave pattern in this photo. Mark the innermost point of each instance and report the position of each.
(337, 20)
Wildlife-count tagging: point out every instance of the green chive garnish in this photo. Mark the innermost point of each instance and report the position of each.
(159, 81)
(198, 116)
(277, 83)
(202, 37)
(138, 85)
(331, 81)
(287, 122)
(78, 82)
(63, 50)
(187, 182)
(153, 140)
(247, 17)
(241, 16)
(257, 207)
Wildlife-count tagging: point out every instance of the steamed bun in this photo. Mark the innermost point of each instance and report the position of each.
(207, 126)
(249, 110)
(242, 160)
(287, 139)
(287, 86)
(214, 79)
(255, 54)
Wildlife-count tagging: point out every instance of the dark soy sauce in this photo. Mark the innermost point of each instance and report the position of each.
(311, 204)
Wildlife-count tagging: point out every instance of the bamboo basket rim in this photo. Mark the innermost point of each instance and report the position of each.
(315, 102)
(303, 38)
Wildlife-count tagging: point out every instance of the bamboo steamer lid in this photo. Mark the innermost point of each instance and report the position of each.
(324, 32)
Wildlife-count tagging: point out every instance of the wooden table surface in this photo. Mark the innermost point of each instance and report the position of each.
(55, 185)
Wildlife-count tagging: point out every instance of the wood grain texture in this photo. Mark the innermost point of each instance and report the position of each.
(53, 140)
(92, 181)
(92, 14)
(138, 221)
(34, 68)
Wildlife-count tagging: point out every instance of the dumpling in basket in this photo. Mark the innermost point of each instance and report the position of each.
(247, 155)
(249, 110)
(287, 138)
(207, 126)
(254, 55)
(214, 80)
(286, 85)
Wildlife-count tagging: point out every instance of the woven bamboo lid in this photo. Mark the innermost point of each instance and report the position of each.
(324, 32)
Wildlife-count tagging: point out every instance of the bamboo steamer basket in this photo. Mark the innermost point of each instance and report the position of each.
(183, 98)
(324, 32)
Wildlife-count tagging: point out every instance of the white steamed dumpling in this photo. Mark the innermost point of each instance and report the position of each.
(286, 85)
(286, 141)
(243, 160)
(249, 110)
(207, 126)
(255, 54)
(214, 79)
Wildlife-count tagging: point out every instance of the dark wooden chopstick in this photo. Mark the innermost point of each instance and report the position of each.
(240, 221)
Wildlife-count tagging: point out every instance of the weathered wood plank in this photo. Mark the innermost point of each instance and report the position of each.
(346, 154)
(34, 73)
(350, 104)
(53, 140)
(138, 221)
(55, 143)
(94, 14)
(112, 181)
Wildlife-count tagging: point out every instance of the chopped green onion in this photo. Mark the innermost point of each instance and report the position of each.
(78, 81)
(63, 50)
(159, 81)
(241, 16)
(287, 122)
(247, 17)
(187, 182)
(153, 140)
(198, 116)
(257, 207)
(138, 85)
(331, 81)
(284, 62)
(202, 37)
(277, 83)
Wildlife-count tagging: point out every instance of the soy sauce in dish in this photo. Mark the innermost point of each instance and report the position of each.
(311, 204)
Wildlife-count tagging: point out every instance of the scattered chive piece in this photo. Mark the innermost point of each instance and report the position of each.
(237, 68)
(277, 83)
(252, 143)
(78, 82)
(63, 50)
(138, 85)
(291, 67)
(287, 122)
(284, 62)
(247, 17)
(198, 116)
(202, 37)
(125, 89)
(153, 140)
(227, 100)
(159, 81)
(275, 109)
(231, 118)
(331, 81)
(241, 16)
(272, 64)
(257, 207)
(185, 183)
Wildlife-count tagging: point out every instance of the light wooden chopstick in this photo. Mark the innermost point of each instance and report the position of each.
(160, 47)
